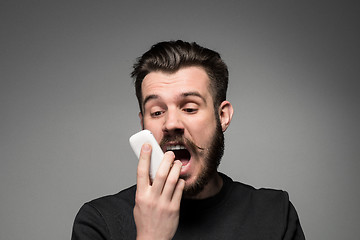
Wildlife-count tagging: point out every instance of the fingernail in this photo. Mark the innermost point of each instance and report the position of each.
(170, 153)
(146, 147)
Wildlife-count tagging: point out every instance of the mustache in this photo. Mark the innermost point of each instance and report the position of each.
(180, 139)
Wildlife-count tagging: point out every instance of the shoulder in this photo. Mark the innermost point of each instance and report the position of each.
(257, 195)
(107, 216)
(270, 208)
(111, 204)
(125, 198)
(268, 197)
(262, 199)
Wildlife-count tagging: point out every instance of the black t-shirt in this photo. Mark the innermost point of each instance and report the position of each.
(238, 211)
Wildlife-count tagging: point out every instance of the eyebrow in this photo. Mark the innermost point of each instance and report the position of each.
(196, 94)
(183, 95)
(150, 97)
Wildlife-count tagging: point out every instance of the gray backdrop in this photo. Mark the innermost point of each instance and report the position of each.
(68, 105)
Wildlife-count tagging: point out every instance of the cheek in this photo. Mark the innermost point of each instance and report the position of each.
(155, 129)
(202, 129)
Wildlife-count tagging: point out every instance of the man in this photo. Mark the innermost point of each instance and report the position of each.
(181, 89)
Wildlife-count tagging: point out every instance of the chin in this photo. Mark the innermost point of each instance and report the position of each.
(194, 185)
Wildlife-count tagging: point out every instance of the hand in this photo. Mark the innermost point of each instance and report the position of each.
(157, 205)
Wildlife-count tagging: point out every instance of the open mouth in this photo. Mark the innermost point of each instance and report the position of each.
(181, 153)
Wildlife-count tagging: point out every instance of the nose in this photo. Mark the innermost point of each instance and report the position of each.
(173, 123)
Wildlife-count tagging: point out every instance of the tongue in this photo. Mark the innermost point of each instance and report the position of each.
(184, 161)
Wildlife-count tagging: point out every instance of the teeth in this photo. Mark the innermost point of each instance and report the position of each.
(175, 147)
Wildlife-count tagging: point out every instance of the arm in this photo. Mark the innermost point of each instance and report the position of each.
(89, 224)
(293, 230)
(157, 205)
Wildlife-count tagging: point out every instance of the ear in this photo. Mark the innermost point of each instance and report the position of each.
(141, 120)
(225, 114)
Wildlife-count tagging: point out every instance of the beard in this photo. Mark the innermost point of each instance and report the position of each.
(211, 163)
(212, 157)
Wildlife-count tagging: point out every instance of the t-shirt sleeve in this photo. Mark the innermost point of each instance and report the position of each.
(89, 224)
(293, 229)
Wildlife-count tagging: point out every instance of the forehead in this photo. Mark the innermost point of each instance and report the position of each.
(186, 79)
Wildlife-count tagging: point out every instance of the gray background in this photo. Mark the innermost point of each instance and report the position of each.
(68, 105)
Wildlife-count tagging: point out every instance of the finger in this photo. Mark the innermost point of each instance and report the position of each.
(163, 172)
(179, 189)
(143, 179)
(172, 180)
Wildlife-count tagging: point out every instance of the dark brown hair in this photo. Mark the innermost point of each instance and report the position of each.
(172, 55)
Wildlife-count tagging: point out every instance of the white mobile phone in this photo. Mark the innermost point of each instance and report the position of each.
(157, 155)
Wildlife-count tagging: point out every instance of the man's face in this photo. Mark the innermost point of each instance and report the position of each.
(178, 109)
